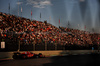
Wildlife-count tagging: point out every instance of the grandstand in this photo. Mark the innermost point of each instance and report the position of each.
(37, 35)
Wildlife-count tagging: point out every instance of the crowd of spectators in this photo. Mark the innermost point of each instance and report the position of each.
(36, 32)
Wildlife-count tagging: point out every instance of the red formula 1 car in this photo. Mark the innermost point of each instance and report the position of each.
(26, 55)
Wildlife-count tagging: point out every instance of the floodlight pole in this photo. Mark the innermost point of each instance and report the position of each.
(19, 46)
(18, 7)
(55, 46)
(34, 45)
(45, 45)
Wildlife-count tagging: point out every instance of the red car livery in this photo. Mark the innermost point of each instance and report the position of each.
(25, 55)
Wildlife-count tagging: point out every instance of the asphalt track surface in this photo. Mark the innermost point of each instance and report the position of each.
(69, 60)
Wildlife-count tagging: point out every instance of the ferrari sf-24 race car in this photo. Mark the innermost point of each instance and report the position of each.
(25, 55)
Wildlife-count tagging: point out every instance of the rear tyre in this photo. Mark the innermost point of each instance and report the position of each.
(14, 57)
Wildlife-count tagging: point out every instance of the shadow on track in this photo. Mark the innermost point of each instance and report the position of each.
(75, 60)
